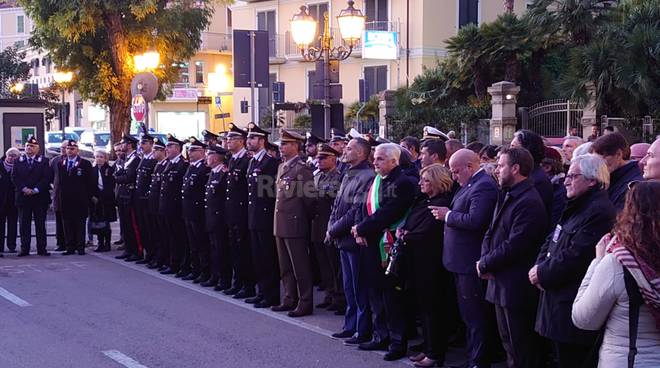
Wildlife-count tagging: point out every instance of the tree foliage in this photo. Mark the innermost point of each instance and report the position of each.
(97, 39)
(12, 69)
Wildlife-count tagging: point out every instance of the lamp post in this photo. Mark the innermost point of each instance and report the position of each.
(62, 79)
(303, 29)
(17, 89)
(144, 85)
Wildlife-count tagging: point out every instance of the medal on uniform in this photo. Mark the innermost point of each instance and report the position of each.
(557, 232)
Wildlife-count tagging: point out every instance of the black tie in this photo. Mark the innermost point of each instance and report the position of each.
(70, 165)
(30, 162)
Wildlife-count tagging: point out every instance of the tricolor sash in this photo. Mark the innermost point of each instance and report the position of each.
(373, 203)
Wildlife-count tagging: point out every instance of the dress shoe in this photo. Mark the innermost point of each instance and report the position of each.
(243, 293)
(182, 274)
(417, 348)
(11, 250)
(142, 261)
(343, 334)
(325, 304)
(60, 248)
(213, 281)
(262, 304)
(417, 357)
(119, 242)
(254, 300)
(201, 279)
(68, 253)
(44, 253)
(282, 308)
(101, 248)
(426, 362)
(393, 355)
(167, 271)
(23, 254)
(299, 313)
(222, 287)
(123, 256)
(81, 252)
(133, 259)
(232, 290)
(374, 345)
(153, 265)
(190, 276)
(356, 340)
(162, 268)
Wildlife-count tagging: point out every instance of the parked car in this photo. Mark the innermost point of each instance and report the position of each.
(96, 139)
(54, 142)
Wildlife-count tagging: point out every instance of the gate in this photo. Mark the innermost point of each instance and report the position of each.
(552, 118)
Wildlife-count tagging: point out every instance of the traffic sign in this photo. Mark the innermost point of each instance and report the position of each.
(218, 101)
(139, 108)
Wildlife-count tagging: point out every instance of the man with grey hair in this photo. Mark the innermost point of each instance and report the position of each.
(390, 196)
(651, 162)
(570, 144)
(565, 257)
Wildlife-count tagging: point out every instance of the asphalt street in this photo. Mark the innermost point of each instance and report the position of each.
(95, 311)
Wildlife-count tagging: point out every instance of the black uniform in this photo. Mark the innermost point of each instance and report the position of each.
(214, 216)
(75, 191)
(32, 173)
(125, 178)
(261, 209)
(169, 209)
(142, 186)
(192, 199)
(236, 205)
(156, 224)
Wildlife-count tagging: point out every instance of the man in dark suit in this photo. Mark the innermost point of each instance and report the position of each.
(391, 195)
(192, 199)
(125, 179)
(32, 177)
(156, 224)
(465, 226)
(508, 252)
(59, 229)
(236, 203)
(293, 211)
(75, 193)
(261, 209)
(169, 208)
(143, 179)
(214, 217)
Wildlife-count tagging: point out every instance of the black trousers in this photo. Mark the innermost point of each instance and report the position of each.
(175, 233)
(59, 229)
(266, 267)
(520, 341)
(434, 302)
(8, 216)
(220, 261)
(387, 308)
(130, 230)
(74, 232)
(142, 217)
(161, 243)
(25, 215)
(241, 257)
(199, 248)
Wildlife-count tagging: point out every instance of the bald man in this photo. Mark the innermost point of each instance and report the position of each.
(651, 162)
(465, 226)
(637, 153)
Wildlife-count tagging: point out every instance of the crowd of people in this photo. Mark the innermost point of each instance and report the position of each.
(547, 256)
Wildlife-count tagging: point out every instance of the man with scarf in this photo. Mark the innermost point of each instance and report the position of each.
(389, 198)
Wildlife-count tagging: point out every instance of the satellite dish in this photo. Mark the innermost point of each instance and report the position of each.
(145, 84)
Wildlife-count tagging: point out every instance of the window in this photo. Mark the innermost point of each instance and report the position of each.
(20, 24)
(19, 44)
(184, 74)
(311, 80)
(46, 63)
(468, 12)
(376, 12)
(35, 67)
(375, 79)
(229, 25)
(266, 22)
(199, 72)
(317, 12)
(266, 96)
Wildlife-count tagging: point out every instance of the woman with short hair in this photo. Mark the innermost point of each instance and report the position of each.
(102, 210)
(625, 274)
(421, 237)
(8, 210)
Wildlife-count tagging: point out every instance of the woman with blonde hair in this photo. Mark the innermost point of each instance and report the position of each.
(421, 237)
(621, 290)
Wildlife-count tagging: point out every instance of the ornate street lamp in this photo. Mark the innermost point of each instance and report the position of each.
(150, 60)
(63, 79)
(303, 31)
(17, 89)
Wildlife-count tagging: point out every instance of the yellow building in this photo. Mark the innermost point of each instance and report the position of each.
(421, 26)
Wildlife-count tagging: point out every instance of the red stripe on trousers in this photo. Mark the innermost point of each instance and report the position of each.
(136, 231)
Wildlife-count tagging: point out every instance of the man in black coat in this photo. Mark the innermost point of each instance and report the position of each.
(125, 177)
(59, 229)
(169, 209)
(143, 179)
(192, 200)
(391, 196)
(8, 211)
(236, 203)
(508, 251)
(75, 192)
(32, 177)
(214, 217)
(566, 255)
(261, 209)
(157, 227)
(465, 226)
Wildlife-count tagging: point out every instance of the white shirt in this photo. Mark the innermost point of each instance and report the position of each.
(239, 154)
(259, 155)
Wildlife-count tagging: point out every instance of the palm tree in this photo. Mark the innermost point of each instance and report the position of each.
(507, 40)
(468, 48)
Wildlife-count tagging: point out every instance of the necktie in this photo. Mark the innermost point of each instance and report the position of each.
(69, 165)
(30, 162)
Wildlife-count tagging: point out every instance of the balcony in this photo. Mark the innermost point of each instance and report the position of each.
(216, 42)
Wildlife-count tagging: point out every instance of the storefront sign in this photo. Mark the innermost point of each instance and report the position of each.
(380, 45)
(184, 94)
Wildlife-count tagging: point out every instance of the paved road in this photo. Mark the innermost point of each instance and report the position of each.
(95, 311)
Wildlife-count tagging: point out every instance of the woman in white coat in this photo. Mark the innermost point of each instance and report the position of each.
(603, 300)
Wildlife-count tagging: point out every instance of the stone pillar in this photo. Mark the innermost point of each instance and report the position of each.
(503, 119)
(589, 117)
(386, 107)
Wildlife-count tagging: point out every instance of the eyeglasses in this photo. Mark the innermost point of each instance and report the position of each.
(572, 176)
